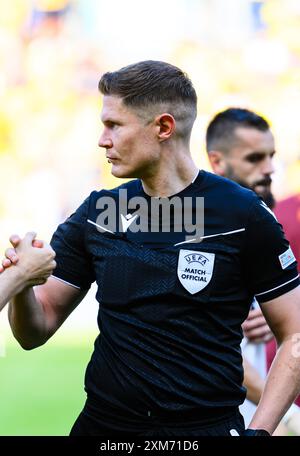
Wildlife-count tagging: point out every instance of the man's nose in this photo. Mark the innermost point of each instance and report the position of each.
(105, 141)
(268, 166)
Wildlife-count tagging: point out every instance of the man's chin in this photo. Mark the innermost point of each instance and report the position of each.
(121, 173)
(116, 170)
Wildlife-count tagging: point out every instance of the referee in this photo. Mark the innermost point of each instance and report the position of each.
(167, 360)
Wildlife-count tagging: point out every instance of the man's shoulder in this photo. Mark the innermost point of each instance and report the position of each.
(223, 188)
(226, 204)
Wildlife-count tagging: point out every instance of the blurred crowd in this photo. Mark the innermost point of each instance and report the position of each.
(53, 52)
(49, 114)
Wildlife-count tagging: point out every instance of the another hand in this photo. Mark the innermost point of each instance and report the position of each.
(11, 256)
(255, 328)
(32, 266)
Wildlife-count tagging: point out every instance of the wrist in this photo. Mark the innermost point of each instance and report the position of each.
(17, 276)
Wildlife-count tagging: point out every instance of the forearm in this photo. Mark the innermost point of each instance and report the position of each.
(7, 290)
(28, 319)
(281, 388)
(10, 284)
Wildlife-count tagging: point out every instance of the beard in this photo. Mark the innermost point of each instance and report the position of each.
(265, 193)
(268, 197)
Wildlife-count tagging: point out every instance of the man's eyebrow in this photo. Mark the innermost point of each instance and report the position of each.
(261, 152)
(258, 155)
(106, 120)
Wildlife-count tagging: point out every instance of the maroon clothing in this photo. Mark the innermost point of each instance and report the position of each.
(287, 212)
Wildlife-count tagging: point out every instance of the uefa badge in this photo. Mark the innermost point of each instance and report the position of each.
(195, 269)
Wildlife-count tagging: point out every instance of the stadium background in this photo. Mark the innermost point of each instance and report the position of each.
(52, 53)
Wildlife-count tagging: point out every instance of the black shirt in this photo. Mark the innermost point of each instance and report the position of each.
(170, 311)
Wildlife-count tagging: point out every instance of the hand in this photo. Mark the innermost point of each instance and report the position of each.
(255, 328)
(33, 265)
(11, 256)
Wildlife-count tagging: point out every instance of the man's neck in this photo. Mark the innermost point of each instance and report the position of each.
(171, 178)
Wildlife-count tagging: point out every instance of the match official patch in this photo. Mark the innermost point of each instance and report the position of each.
(287, 258)
(195, 269)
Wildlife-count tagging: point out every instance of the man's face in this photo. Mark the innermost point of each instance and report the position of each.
(130, 143)
(249, 162)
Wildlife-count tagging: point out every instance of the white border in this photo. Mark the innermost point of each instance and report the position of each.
(64, 281)
(279, 286)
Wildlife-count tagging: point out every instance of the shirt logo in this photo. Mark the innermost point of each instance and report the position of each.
(287, 258)
(127, 221)
(195, 269)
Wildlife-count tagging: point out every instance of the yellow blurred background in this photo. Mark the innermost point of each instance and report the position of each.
(53, 52)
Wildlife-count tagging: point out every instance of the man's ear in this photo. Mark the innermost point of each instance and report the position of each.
(217, 161)
(165, 125)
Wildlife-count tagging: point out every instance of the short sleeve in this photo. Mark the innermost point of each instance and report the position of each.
(269, 264)
(74, 264)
